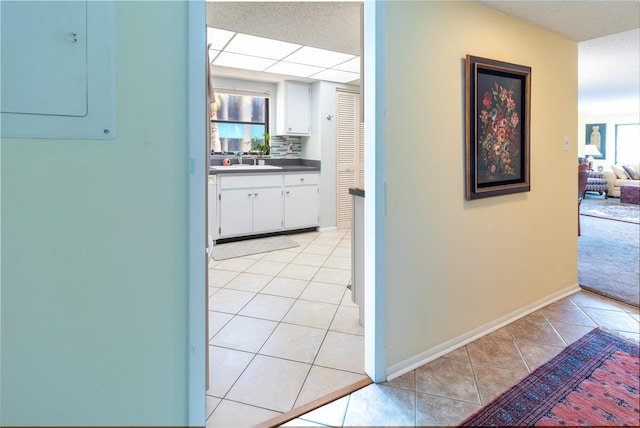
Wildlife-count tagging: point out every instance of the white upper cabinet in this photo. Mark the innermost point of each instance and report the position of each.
(293, 109)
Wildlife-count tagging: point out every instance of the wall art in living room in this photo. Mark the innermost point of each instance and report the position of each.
(596, 135)
(497, 128)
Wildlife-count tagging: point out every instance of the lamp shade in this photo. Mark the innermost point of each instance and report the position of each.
(591, 150)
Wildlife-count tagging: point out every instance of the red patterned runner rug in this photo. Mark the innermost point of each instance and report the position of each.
(592, 382)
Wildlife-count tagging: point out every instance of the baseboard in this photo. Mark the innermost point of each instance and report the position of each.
(418, 360)
(326, 399)
(328, 229)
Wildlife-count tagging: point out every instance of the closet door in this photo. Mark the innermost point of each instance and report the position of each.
(350, 153)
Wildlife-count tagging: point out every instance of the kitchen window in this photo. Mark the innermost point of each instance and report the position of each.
(239, 121)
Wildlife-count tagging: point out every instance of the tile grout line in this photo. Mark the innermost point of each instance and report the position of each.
(326, 333)
(281, 321)
(254, 354)
(475, 378)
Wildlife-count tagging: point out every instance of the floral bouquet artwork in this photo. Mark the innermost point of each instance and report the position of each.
(499, 134)
(498, 118)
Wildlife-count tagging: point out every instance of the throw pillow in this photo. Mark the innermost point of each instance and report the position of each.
(631, 172)
(619, 172)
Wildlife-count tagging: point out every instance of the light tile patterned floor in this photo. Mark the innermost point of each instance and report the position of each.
(446, 391)
(283, 330)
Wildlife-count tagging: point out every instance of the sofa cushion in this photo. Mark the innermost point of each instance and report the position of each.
(628, 182)
(619, 172)
(631, 172)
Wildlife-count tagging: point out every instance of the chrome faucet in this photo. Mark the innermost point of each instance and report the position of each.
(239, 156)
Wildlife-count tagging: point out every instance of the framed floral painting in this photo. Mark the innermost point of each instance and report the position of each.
(497, 127)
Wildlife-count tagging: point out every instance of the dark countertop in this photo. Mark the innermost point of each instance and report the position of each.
(285, 168)
(356, 191)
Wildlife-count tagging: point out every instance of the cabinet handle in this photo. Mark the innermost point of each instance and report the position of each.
(249, 194)
(255, 194)
(302, 179)
(288, 191)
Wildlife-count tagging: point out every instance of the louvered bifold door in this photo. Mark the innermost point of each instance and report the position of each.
(360, 181)
(347, 153)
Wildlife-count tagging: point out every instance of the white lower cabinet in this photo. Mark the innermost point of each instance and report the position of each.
(267, 210)
(212, 202)
(262, 203)
(250, 204)
(236, 212)
(300, 200)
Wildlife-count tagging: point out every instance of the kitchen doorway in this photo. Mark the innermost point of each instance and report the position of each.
(316, 244)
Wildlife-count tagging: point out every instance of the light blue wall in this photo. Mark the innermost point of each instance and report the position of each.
(94, 249)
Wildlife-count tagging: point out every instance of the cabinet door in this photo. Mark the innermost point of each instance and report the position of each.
(300, 206)
(236, 212)
(297, 108)
(212, 207)
(293, 107)
(267, 209)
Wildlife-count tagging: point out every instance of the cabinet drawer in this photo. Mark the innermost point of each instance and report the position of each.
(300, 179)
(250, 181)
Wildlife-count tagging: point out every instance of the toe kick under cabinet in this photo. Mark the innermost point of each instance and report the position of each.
(251, 204)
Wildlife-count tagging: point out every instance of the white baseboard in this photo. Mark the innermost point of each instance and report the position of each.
(418, 360)
(327, 229)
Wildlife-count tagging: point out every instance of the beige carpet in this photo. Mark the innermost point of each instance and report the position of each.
(247, 247)
(608, 253)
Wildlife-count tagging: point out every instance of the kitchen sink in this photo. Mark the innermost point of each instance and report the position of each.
(243, 167)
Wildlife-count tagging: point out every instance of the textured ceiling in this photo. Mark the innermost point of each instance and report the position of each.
(327, 25)
(608, 66)
(578, 20)
(608, 49)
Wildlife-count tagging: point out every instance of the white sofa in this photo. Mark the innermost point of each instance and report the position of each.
(617, 177)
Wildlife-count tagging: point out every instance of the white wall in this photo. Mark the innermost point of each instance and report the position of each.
(94, 249)
(453, 266)
(312, 145)
(611, 121)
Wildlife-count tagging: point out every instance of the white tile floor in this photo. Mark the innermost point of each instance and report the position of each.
(449, 389)
(283, 330)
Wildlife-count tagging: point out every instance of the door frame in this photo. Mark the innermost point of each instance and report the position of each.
(375, 201)
(196, 217)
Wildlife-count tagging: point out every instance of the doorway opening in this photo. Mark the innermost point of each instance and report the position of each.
(299, 296)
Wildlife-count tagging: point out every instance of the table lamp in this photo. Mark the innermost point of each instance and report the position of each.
(590, 151)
